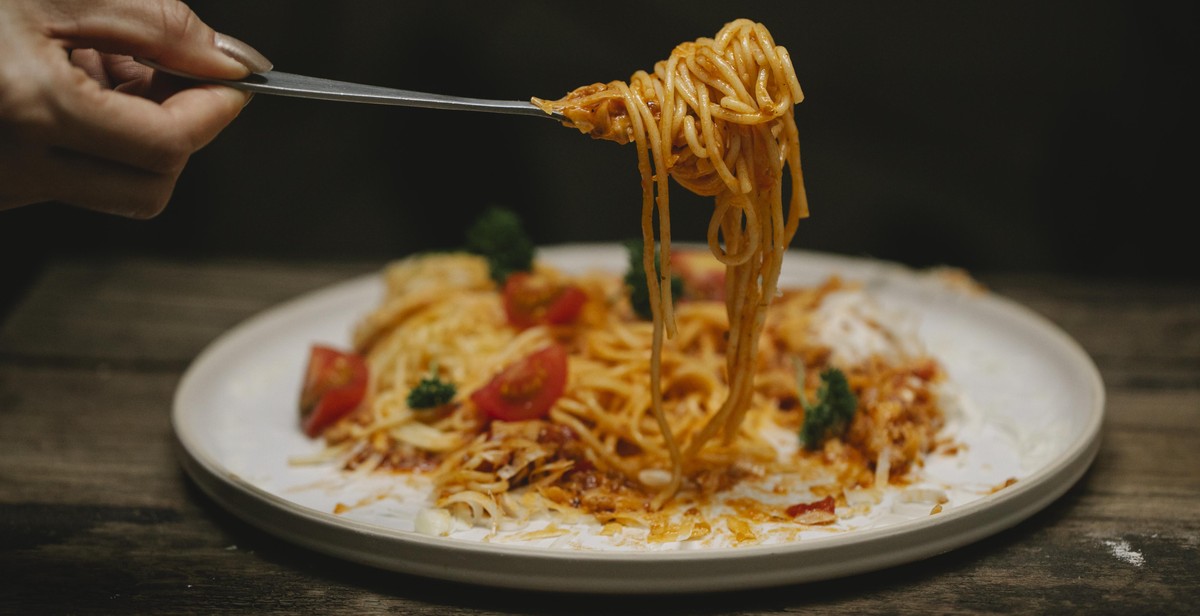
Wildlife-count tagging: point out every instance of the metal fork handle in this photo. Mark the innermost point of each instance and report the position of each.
(301, 86)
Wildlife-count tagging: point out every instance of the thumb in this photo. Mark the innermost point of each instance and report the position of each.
(165, 31)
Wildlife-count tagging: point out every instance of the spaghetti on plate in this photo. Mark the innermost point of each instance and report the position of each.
(597, 449)
(539, 393)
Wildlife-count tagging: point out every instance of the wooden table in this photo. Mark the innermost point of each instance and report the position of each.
(97, 516)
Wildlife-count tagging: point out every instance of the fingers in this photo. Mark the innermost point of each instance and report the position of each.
(31, 173)
(91, 63)
(108, 187)
(80, 131)
(200, 113)
(143, 134)
(247, 55)
(165, 31)
(75, 179)
(126, 75)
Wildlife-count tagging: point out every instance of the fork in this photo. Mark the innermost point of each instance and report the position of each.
(301, 86)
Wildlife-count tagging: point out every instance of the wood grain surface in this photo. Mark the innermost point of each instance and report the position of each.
(96, 515)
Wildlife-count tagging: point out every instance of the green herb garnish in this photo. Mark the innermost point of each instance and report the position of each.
(498, 236)
(431, 392)
(833, 411)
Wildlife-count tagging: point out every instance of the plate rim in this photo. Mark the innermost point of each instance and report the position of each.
(723, 568)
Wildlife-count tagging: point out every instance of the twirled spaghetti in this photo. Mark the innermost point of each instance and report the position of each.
(716, 116)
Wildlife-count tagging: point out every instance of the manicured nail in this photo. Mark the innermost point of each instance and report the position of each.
(243, 53)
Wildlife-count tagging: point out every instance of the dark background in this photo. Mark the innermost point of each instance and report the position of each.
(990, 136)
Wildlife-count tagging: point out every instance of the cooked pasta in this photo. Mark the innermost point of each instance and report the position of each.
(599, 449)
(717, 117)
(620, 416)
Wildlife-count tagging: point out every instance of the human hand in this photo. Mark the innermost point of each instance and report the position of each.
(82, 123)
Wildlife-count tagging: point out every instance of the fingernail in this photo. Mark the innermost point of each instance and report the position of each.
(243, 53)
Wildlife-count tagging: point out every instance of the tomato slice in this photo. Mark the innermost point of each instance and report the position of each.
(526, 388)
(531, 300)
(826, 505)
(703, 275)
(334, 384)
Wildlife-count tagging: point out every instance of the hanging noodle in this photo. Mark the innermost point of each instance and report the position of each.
(716, 116)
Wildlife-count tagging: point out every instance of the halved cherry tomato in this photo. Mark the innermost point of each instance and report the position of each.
(532, 300)
(334, 385)
(526, 388)
(703, 275)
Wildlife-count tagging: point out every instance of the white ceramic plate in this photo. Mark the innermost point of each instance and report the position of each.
(1028, 384)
